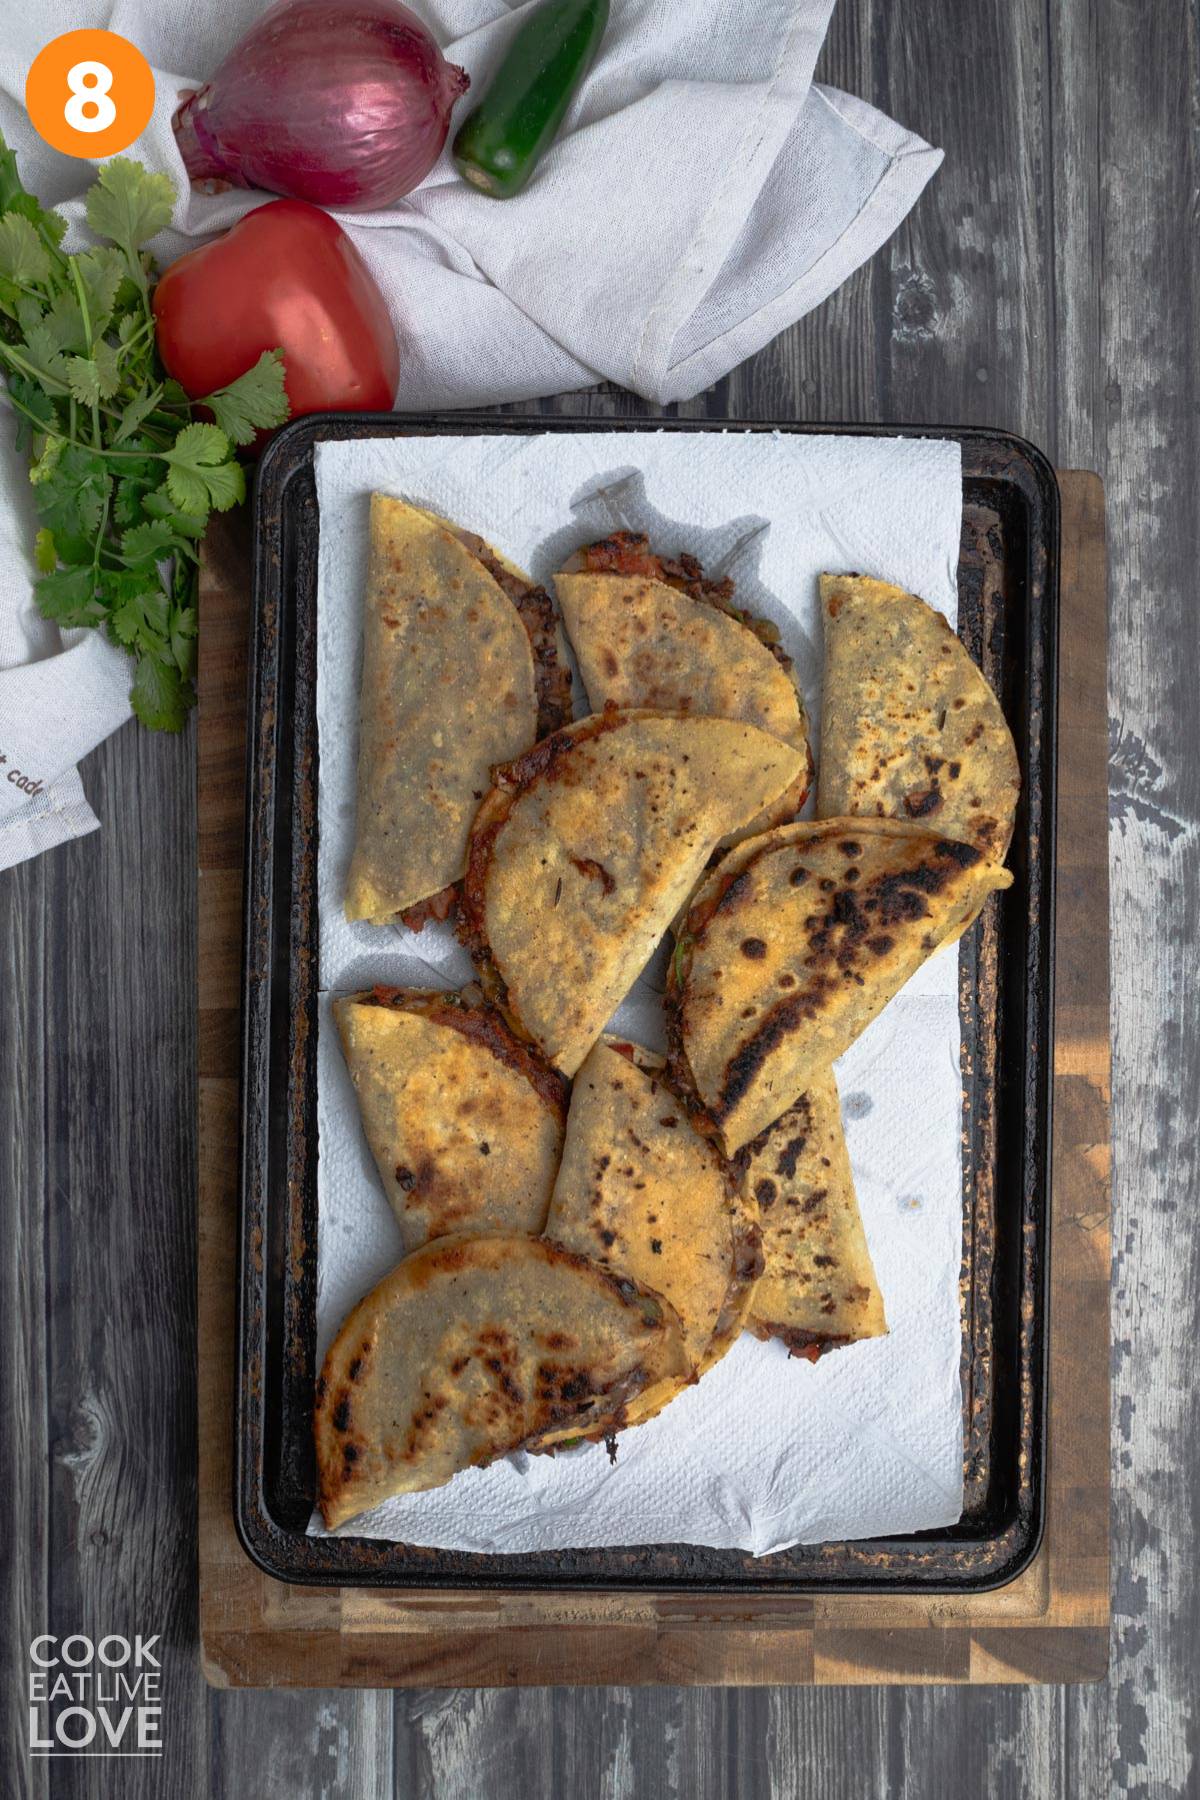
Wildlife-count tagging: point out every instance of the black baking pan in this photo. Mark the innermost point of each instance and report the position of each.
(1008, 614)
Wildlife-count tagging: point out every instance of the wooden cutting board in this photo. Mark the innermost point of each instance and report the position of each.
(1050, 1625)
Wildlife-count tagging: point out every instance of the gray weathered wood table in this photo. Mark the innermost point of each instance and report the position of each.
(1048, 283)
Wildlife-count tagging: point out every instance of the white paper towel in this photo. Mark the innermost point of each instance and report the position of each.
(765, 1452)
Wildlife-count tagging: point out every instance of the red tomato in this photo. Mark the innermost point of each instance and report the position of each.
(285, 277)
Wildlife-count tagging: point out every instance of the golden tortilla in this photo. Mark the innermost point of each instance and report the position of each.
(909, 727)
(448, 690)
(643, 1194)
(465, 1122)
(468, 1349)
(587, 847)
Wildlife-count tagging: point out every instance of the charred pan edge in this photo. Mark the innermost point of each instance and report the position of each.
(482, 1025)
(510, 782)
(538, 615)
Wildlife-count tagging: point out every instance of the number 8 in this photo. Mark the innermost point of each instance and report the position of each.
(89, 83)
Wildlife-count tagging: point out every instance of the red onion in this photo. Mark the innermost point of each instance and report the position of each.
(345, 105)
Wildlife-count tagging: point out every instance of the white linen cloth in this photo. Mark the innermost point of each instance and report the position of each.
(705, 194)
(764, 1452)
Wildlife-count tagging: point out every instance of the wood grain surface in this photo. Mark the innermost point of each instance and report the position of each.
(1048, 283)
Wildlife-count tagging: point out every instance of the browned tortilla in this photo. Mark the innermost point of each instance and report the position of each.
(471, 1347)
(450, 686)
(587, 847)
(909, 728)
(818, 1288)
(795, 942)
(642, 1193)
(648, 632)
(465, 1121)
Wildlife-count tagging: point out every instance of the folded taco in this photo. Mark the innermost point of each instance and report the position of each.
(794, 943)
(818, 1288)
(586, 848)
(468, 1349)
(643, 1194)
(460, 671)
(651, 631)
(464, 1120)
(910, 729)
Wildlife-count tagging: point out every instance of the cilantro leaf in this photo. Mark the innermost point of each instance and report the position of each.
(128, 501)
(160, 695)
(95, 378)
(23, 256)
(67, 596)
(123, 476)
(29, 312)
(101, 271)
(34, 408)
(208, 489)
(14, 198)
(149, 542)
(138, 409)
(200, 475)
(159, 505)
(64, 322)
(128, 204)
(70, 503)
(43, 466)
(256, 401)
(41, 356)
(199, 446)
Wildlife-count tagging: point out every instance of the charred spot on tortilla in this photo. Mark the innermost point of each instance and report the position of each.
(818, 1287)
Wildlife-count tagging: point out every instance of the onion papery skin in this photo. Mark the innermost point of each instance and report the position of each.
(344, 106)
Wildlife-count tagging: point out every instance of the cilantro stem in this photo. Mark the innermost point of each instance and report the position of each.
(32, 372)
(77, 443)
(100, 537)
(89, 341)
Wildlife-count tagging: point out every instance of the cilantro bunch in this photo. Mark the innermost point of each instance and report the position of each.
(124, 478)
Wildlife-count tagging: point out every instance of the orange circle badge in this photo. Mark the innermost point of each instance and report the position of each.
(90, 93)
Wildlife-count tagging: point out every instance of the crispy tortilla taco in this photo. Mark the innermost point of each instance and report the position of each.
(910, 729)
(470, 1348)
(460, 671)
(794, 943)
(585, 849)
(818, 1287)
(643, 1194)
(649, 631)
(464, 1120)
